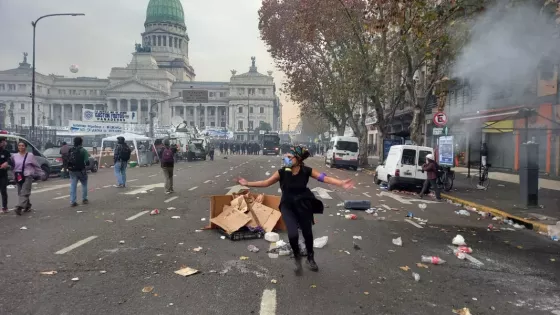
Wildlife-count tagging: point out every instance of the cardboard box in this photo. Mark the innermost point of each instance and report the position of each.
(273, 220)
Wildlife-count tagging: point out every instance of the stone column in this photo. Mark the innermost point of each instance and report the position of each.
(216, 116)
(62, 118)
(185, 112)
(205, 116)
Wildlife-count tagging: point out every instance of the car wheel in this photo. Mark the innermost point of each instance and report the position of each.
(391, 184)
(94, 168)
(376, 180)
(46, 172)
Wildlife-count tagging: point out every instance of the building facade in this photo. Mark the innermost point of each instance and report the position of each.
(153, 81)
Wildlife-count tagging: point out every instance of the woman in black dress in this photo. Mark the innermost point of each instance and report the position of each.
(293, 180)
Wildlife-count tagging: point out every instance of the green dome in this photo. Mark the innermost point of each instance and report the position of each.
(170, 11)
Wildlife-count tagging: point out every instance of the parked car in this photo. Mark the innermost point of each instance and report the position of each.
(11, 145)
(403, 166)
(55, 159)
(343, 151)
(196, 150)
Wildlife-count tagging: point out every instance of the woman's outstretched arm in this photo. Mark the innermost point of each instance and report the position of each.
(263, 183)
(322, 177)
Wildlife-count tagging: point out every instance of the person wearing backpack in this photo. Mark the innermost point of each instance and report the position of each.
(167, 157)
(78, 159)
(121, 158)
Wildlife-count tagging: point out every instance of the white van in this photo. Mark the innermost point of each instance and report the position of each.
(403, 166)
(343, 151)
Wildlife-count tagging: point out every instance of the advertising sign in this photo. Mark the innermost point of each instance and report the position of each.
(446, 150)
(95, 127)
(195, 96)
(89, 115)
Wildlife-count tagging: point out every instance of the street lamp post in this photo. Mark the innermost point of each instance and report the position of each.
(34, 24)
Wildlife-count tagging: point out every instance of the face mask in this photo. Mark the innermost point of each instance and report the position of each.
(287, 161)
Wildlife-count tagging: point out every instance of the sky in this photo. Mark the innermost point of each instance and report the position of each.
(223, 36)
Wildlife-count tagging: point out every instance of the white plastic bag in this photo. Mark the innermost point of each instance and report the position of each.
(272, 237)
(320, 242)
(397, 241)
(458, 240)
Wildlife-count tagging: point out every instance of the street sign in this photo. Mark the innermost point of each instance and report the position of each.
(440, 119)
(195, 96)
(446, 150)
(437, 131)
(90, 115)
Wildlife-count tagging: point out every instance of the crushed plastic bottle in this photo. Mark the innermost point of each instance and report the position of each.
(351, 216)
(460, 254)
(416, 276)
(253, 248)
(465, 249)
(463, 212)
(320, 242)
(434, 260)
(397, 241)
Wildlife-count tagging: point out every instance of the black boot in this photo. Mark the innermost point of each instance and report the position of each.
(311, 264)
(298, 268)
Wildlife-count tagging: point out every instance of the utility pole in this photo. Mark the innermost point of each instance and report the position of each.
(154, 114)
(248, 110)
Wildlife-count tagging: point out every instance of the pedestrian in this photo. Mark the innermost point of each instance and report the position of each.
(431, 169)
(222, 148)
(484, 154)
(167, 158)
(78, 159)
(64, 155)
(120, 158)
(298, 203)
(25, 169)
(5, 162)
(211, 151)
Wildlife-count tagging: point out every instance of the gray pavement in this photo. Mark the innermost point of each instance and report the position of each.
(515, 272)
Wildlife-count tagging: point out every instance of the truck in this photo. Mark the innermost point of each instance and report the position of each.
(271, 143)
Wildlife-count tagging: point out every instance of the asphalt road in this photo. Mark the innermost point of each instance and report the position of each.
(512, 272)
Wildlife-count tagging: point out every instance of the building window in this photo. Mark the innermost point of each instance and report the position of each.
(222, 94)
(2, 87)
(240, 125)
(164, 41)
(201, 124)
(201, 111)
(251, 91)
(39, 89)
(223, 110)
(250, 125)
(250, 110)
(191, 111)
(11, 87)
(23, 106)
(241, 91)
(262, 91)
(223, 124)
(22, 120)
(261, 110)
(159, 40)
(192, 123)
(240, 110)
(212, 112)
(212, 124)
(212, 94)
(176, 42)
(180, 43)
(154, 41)
(21, 87)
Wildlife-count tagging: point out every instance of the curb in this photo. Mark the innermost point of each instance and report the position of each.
(536, 226)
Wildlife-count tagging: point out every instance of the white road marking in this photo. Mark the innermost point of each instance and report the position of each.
(61, 197)
(469, 257)
(193, 188)
(55, 187)
(322, 192)
(367, 195)
(386, 207)
(208, 181)
(75, 245)
(413, 223)
(144, 188)
(107, 186)
(224, 172)
(171, 199)
(137, 215)
(217, 176)
(153, 175)
(132, 180)
(268, 302)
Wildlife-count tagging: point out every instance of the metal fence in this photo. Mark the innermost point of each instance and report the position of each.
(39, 138)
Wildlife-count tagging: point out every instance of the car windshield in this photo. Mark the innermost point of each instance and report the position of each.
(52, 151)
(347, 146)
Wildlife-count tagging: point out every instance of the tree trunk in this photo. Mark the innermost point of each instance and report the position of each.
(363, 156)
(340, 130)
(418, 119)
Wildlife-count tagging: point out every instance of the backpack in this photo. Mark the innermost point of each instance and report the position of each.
(76, 159)
(124, 153)
(167, 156)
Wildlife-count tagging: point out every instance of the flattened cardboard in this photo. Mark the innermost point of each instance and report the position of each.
(260, 215)
(231, 221)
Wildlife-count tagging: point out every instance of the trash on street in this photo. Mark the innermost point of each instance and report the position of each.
(405, 268)
(356, 237)
(357, 204)
(175, 217)
(320, 242)
(75, 279)
(171, 208)
(49, 273)
(463, 212)
(416, 276)
(421, 265)
(186, 271)
(23, 228)
(243, 258)
(351, 216)
(434, 260)
(272, 237)
(154, 212)
(197, 249)
(273, 281)
(253, 248)
(422, 206)
(397, 241)
(462, 311)
(459, 240)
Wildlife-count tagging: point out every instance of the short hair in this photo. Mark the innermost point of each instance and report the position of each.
(78, 141)
(2, 139)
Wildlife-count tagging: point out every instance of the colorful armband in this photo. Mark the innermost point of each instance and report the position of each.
(321, 177)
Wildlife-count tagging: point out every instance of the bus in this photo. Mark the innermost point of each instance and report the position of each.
(271, 143)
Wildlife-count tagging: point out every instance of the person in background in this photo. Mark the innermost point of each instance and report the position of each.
(5, 163)
(431, 168)
(211, 151)
(64, 154)
(78, 159)
(484, 154)
(167, 158)
(121, 158)
(25, 169)
(293, 180)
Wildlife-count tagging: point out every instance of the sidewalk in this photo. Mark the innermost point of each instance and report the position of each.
(503, 198)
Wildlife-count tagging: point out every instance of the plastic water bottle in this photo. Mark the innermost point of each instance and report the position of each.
(433, 260)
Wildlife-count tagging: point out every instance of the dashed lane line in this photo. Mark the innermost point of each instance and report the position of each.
(224, 173)
(268, 302)
(153, 175)
(367, 195)
(76, 245)
(55, 187)
(217, 176)
(61, 197)
(132, 180)
(193, 188)
(171, 199)
(413, 223)
(137, 215)
(208, 181)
